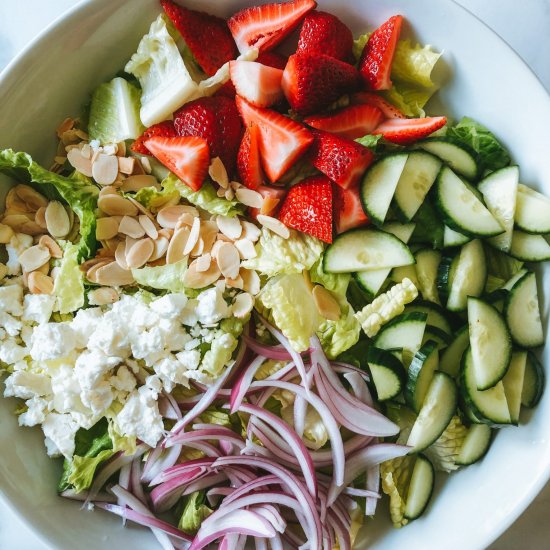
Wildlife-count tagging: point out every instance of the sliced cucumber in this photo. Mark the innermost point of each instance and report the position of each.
(403, 332)
(452, 356)
(461, 208)
(388, 374)
(488, 406)
(427, 264)
(419, 376)
(405, 272)
(533, 381)
(490, 343)
(379, 185)
(436, 315)
(416, 180)
(532, 211)
(500, 190)
(460, 158)
(476, 444)
(445, 275)
(529, 248)
(522, 313)
(453, 238)
(513, 384)
(513, 280)
(441, 338)
(436, 413)
(420, 489)
(362, 249)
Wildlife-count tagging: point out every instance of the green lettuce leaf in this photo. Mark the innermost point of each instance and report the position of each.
(335, 282)
(429, 227)
(315, 431)
(445, 450)
(69, 284)
(359, 45)
(162, 277)
(195, 511)
(370, 141)
(219, 354)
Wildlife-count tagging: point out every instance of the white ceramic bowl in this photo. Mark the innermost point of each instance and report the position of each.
(485, 80)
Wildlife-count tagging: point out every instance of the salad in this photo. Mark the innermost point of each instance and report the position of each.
(254, 292)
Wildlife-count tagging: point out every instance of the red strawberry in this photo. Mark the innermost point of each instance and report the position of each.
(216, 119)
(312, 82)
(342, 160)
(187, 157)
(377, 56)
(308, 207)
(272, 201)
(227, 90)
(282, 140)
(273, 59)
(370, 98)
(408, 130)
(248, 158)
(162, 129)
(348, 211)
(265, 26)
(207, 36)
(257, 83)
(324, 33)
(351, 122)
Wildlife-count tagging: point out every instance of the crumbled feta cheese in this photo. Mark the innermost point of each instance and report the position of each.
(124, 380)
(26, 334)
(91, 366)
(35, 413)
(60, 430)
(170, 305)
(192, 344)
(172, 372)
(211, 307)
(38, 308)
(148, 345)
(17, 245)
(11, 298)
(26, 385)
(52, 341)
(111, 337)
(11, 352)
(188, 315)
(189, 359)
(10, 324)
(173, 333)
(84, 323)
(99, 398)
(66, 389)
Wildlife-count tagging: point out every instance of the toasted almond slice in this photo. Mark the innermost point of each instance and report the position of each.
(14, 203)
(110, 149)
(105, 252)
(32, 198)
(249, 197)
(185, 220)
(21, 224)
(91, 273)
(138, 168)
(218, 173)
(45, 269)
(39, 283)
(40, 217)
(139, 253)
(193, 236)
(229, 260)
(113, 275)
(105, 169)
(142, 208)
(55, 272)
(111, 245)
(108, 190)
(209, 232)
(79, 162)
(251, 280)
(250, 231)
(47, 242)
(229, 194)
(161, 246)
(177, 244)
(6, 233)
(148, 226)
(203, 262)
(65, 126)
(269, 205)
(157, 263)
(166, 233)
(126, 165)
(235, 283)
(135, 183)
(169, 215)
(223, 238)
(215, 249)
(86, 151)
(3, 271)
(131, 227)
(82, 135)
(120, 255)
(326, 304)
(103, 296)
(34, 257)
(88, 264)
(146, 163)
(230, 227)
(221, 192)
(242, 305)
(246, 249)
(198, 249)
(115, 205)
(201, 279)
(106, 228)
(121, 149)
(273, 224)
(57, 220)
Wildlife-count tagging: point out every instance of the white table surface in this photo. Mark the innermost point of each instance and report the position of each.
(524, 24)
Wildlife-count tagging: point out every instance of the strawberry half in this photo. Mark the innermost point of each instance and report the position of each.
(264, 27)
(377, 57)
(351, 122)
(342, 160)
(207, 36)
(162, 129)
(273, 59)
(324, 33)
(248, 158)
(312, 82)
(257, 83)
(272, 201)
(404, 131)
(282, 140)
(215, 119)
(348, 211)
(370, 98)
(187, 157)
(308, 207)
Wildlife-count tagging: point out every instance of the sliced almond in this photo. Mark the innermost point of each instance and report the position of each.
(55, 272)
(40, 217)
(80, 162)
(66, 125)
(110, 149)
(215, 249)
(249, 197)
(229, 194)
(6, 233)
(115, 205)
(156, 263)
(105, 169)
(139, 253)
(39, 283)
(57, 220)
(47, 242)
(250, 231)
(135, 183)
(198, 249)
(177, 244)
(106, 251)
(32, 198)
(251, 280)
(242, 305)
(22, 224)
(45, 269)
(203, 262)
(169, 215)
(14, 203)
(246, 249)
(88, 264)
(229, 260)
(269, 205)
(273, 224)
(120, 255)
(91, 273)
(131, 227)
(103, 296)
(186, 219)
(108, 190)
(220, 192)
(235, 283)
(121, 149)
(230, 227)
(106, 228)
(161, 246)
(34, 257)
(138, 168)
(201, 279)
(148, 226)
(3, 271)
(82, 135)
(326, 304)
(146, 163)
(209, 232)
(166, 233)
(126, 165)
(218, 173)
(141, 208)
(113, 275)
(193, 237)
(86, 151)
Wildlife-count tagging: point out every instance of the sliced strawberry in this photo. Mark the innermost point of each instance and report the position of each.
(348, 211)
(272, 196)
(351, 122)
(207, 36)
(342, 160)
(264, 27)
(187, 157)
(312, 82)
(324, 33)
(377, 56)
(248, 158)
(257, 83)
(370, 98)
(308, 207)
(282, 140)
(273, 59)
(227, 90)
(215, 119)
(162, 129)
(408, 130)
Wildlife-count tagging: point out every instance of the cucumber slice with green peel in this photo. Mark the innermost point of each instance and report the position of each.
(499, 191)
(490, 343)
(445, 275)
(416, 180)
(420, 489)
(513, 280)
(532, 211)
(488, 406)
(513, 384)
(402, 231)
(476, 444)
(522, 313)
(403, 332)
(436, 315)
(436, 412)
(452, 238)
(459, 157)
(529, 248)
(441, 338)
(461, 209)
(405, 272)
(420, 373)
(387, 373)
(365, 249)
(427, 264)
(451, 357)
(533, 381)
(379, 185)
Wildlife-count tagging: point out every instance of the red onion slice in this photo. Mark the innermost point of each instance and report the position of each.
(373, 485)
(243, 383)
(220, 433)
(359, 388)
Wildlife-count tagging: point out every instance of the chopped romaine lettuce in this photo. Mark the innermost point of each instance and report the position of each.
(162, 277)
(195, 511)
(444, 452)
(335, 282)
(396, 476)
(359, 45)
(315, 431)
(219, 355)
(69, 284)
(338, 336)
(370, 141)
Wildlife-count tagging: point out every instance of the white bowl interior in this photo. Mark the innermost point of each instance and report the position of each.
(485, 80)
